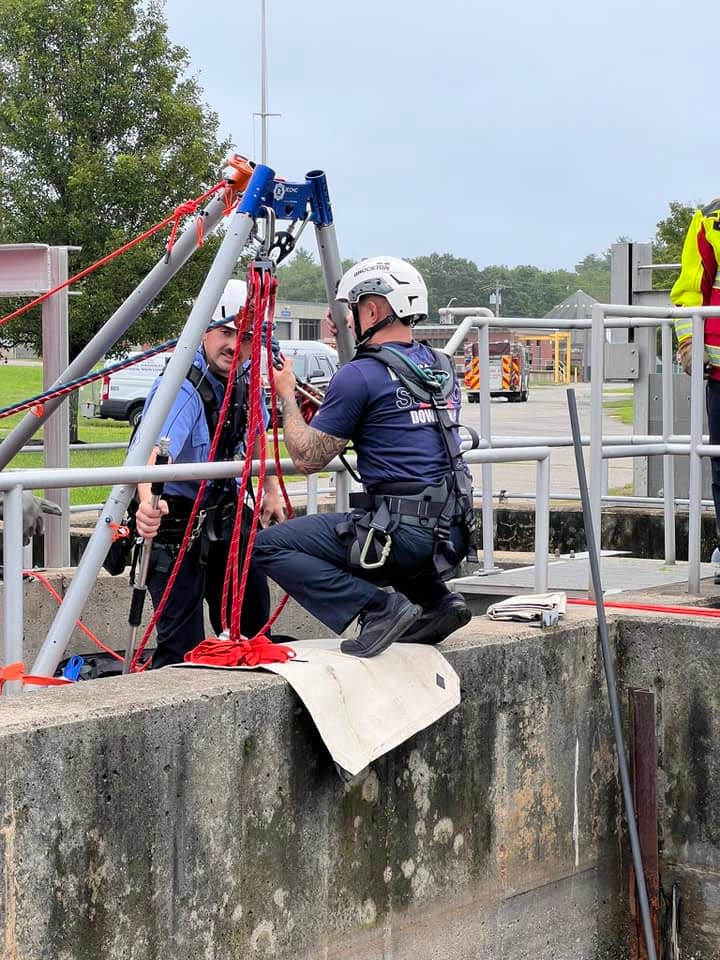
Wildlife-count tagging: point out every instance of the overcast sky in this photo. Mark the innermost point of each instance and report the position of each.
(506, 132)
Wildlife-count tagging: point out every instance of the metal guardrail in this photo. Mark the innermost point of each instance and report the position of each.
(607, 316)
(492, 450)
(12, 485)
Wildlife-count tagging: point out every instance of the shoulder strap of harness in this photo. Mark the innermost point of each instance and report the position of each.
(235, 424)
(424, 384)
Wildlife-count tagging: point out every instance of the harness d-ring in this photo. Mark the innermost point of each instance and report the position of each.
(384, 553)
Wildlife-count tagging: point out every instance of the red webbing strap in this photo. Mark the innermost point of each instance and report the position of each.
(16, 671)
(243, 653)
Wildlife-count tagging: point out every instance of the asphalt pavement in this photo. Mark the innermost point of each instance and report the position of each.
(546, 414)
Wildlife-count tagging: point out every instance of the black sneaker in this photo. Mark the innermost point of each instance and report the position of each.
(379, 629)
(439, 622)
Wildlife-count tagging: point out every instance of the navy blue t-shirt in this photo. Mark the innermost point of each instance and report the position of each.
(395, 436)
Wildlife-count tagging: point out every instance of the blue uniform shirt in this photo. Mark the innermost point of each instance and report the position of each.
(186, 425)
(395, 436)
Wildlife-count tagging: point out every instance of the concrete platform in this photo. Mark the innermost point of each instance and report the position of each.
(619, 574)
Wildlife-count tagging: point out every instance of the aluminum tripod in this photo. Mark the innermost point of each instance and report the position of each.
(299, 202)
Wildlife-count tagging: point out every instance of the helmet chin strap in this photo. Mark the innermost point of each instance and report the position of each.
(362, 338)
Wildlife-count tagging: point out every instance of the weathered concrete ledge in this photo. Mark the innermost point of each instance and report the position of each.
(196, 815)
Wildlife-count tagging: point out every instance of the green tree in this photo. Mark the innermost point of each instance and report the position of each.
(102, 134)
(301, 279)
(669, 238)
(593, 276)
(448, 277)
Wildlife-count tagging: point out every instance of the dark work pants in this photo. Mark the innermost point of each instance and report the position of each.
(181, 624)
(308, 559)
(712, 398)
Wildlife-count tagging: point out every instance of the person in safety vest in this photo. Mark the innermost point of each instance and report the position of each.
(699, 286)
(190, 427)
(413, 524)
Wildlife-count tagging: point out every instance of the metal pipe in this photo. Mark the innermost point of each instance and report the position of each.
(695, 468)
(597, 360)
(542, 523)
(483, 335)
(132, 474)
(668, 417)
(231, 248)
(593, 556)
(312, 494)
(55, 436)
(329, 255)
(13, 585)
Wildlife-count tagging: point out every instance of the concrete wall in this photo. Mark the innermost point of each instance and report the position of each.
(681, 664)
(196, 814)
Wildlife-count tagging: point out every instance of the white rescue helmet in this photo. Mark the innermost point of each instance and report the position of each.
(231, 302)
(396, 280)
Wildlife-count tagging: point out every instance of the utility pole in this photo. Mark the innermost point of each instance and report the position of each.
(498, 288)
(263, 114)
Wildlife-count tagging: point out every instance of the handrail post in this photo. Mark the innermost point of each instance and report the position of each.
(542, 523)
(668, 425)
(13, 582)
(597, 359)
(695, 471)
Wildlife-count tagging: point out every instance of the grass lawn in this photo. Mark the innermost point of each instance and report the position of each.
(621, 407)
(18, 382)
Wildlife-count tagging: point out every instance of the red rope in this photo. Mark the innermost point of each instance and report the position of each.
(193, 513)
(259, 306)
(245, 653)
(711, 612)
(78, 623)
(189, 206)
(261, 284)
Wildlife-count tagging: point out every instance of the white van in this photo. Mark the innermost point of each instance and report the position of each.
(123, 393)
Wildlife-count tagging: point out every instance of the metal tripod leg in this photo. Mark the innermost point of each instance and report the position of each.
(330, 261)
(239, 228)
(116, 326)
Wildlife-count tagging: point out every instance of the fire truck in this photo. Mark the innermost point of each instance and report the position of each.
(509, 371)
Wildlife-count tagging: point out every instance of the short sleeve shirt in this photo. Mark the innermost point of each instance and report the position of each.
(396, 437)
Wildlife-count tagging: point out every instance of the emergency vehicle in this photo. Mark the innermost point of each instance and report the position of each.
(509, 371)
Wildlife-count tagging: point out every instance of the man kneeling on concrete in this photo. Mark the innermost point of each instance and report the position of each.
(398, 401)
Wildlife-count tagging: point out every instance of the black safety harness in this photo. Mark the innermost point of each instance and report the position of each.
(215, 518)
(378, 512)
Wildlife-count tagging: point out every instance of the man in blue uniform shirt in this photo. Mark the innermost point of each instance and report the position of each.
(411, 527)
(201, 577)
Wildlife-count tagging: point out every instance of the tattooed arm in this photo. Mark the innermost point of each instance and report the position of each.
(310, 449)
